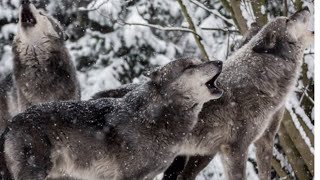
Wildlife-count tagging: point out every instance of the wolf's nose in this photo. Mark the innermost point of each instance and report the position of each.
(306, 9)
(218, 63)
(25, 2)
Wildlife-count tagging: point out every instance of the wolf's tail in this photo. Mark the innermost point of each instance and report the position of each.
(4, 171)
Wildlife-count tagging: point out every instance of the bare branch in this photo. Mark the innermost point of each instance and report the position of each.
(212, 11)
(193, 28)
(162, 27)
(83, 9)
(220, 29)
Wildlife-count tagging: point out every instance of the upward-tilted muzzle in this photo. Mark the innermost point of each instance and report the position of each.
(27, 17)
(302, 16)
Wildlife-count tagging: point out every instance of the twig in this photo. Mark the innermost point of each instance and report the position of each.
(162, 27)
(212, 11)
(218, 29)
(83, 9)
(305, 94)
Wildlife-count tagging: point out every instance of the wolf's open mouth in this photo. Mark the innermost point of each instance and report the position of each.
(212, 85)
(27, 18)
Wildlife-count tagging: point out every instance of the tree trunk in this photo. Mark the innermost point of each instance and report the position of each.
(187, 16)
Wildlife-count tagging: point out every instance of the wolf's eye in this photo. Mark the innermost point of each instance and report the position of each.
(41, 13)
(287, 21)
(190, 66)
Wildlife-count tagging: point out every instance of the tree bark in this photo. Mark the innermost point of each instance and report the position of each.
(261, 18)
(277, 167)
(298, 142)
(242, 23)
(293, 155)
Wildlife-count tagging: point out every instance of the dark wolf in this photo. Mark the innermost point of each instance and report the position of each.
(257, 80)
(134, 137)
(42, 68)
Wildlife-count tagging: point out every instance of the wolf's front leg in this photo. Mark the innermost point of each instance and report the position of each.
(264, 146)
(194, 166)
(27, 156)
(235, 160)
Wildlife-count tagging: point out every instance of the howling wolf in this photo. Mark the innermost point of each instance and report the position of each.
(134, 137)
(256, 80)
(42, 67)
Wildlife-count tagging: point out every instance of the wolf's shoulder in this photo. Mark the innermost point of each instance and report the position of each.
(68, 112)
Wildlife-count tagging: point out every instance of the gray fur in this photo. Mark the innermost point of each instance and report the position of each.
(117, 92)
(134, 137)
(257, 80)
(42, 68)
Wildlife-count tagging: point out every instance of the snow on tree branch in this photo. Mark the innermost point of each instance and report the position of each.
(212, 11)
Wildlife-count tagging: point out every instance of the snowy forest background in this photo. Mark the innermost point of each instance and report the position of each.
(112, 42)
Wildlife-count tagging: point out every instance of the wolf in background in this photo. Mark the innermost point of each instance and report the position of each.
(42, 68)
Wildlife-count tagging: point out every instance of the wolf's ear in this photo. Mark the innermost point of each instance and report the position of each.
(267, 43)
(155, 76)
(65, 37)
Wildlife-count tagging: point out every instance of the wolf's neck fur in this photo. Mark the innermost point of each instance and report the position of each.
(163, 110)
(35, 53)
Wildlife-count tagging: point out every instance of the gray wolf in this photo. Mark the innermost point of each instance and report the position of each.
(42, 68)
(134, 137)
(256, 79)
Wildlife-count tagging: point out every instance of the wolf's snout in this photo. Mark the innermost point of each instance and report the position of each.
(302, 15)
(27, 17)
(218, 63)
(305, 9)
(24, 2)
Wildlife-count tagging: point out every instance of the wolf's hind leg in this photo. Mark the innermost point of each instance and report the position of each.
(235, 160)
(194, 166)
(264, 146)
(27, 155)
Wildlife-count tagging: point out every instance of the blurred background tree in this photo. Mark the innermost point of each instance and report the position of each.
(113, 42)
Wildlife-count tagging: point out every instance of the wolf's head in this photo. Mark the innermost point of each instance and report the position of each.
(189, 80)
(35, 27)
(285, 35)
